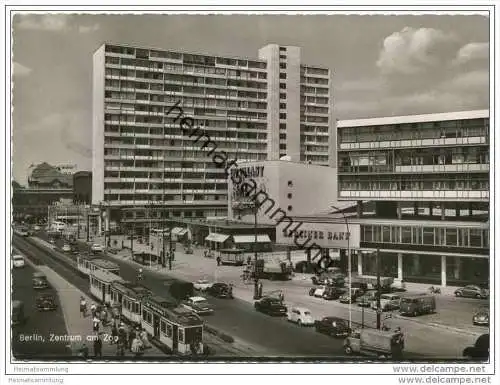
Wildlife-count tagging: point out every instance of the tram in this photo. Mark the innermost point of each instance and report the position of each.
(88, 263)
(100, 284)
(177, 328)
(129, 296)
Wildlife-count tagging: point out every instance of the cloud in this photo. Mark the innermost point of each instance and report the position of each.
(471, 80)
(88, 28)
(471, 52)
(50, 22)
(366, 84)
(412, 51)
(53, 23)
(19, 70)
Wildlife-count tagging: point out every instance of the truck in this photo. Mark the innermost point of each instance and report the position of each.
(374, 342)
(179, 290)
(271, 269)
(417, 304)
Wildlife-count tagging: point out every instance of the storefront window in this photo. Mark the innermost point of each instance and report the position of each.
(440, 236)
(417, 235)
(377, 234)
(368, 233)
(169, 331)
(406, 234)
(451, 237)
(428, 236)
(395, 234)
(475, 238)
(386, 234)
(463, 238)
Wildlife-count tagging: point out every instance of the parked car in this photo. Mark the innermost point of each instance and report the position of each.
(416, 304)
(37, 228)
(66, 248)
(18, 261)
(366, 299)
(202, 284)
(472, 291)
(398, 286)
(481, 317)
(270, 306)
(220, 290)
(18, 316)
(480, 350)
(333, 326)
(387, 302)
(306, 268)
(96, 248)
(301, 316)
(46, 302)
(351, 297)
(333, 292)
(198, 305)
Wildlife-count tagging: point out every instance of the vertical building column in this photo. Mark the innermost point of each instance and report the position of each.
(443, 271)
(399, 210)
(359, 208)
(456, 270)
(360, 263)
(99, 225)
(400, 266)
(443, 211)
(430, 209)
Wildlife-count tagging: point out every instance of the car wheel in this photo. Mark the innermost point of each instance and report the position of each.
(311, 292)
(414, 314)
(458, 294)
(347, 349)
(478, 296)
(382, 356)
(299, 322)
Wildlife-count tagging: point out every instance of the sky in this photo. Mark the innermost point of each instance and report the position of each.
(382, 65)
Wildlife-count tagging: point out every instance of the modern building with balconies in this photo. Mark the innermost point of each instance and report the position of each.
(427, 179)
(146, 168)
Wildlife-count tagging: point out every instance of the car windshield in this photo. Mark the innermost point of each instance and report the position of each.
(18, 258)
(307, 313)
(274, 302)
(409, 300)
(202, 302)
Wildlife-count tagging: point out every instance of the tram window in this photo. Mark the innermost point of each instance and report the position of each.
(169, 330)
(135, 307)
(193, 334)
(181, 335)
(144, 313)
(163, 327)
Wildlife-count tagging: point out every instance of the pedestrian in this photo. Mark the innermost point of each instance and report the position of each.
(93, 309)
(114, 334)
(95, 324)
(84, 351)
(218, 260)
(83, 307)
(249, 260)
(136, 347)
(120, 346)
(281, 297)
(259, 286)
(144, 339)
(131, 335)
(104, 316)
(98, 347)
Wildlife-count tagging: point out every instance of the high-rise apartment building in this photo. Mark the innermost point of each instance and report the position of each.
(147, 168)
(427, 177)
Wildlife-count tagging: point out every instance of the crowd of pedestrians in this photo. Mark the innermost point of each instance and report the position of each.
(107, 327)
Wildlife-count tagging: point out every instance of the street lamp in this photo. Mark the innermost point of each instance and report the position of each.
(349, 268)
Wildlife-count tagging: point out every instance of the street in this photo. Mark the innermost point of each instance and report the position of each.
(42, 326)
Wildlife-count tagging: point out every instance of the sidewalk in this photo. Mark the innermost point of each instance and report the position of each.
(80, 328)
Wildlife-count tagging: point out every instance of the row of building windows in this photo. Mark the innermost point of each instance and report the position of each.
(417, 235)
(311, 80)
(314, 119)
(159, 197)
(226, 115)
(201, 185)
(314, 90)
(313, 99)
(305, 129)
(169, 174)
(146, 57)
(314, 110)
(413, 131)
(160, 144)
(313, 70)
(415, 183)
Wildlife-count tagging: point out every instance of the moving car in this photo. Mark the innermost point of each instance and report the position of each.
(333, 326)
(417, 304)
(300, 316)
(472, 291)
(37, 228)
(18, 316)
(373, 342)
(202, 284)
(66, 248)
(481, 317)
(96, 248)
(387, 302)
(39, 281)
(198, 305)
(270, 306)
(220, 290)
(46, 302)
(480, 350)
(18, 261)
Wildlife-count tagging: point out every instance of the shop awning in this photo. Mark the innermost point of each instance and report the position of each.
(179, 231)
(263, 238)
(216, 237)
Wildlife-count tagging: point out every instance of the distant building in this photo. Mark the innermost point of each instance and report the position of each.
(46, 176)
(82, 187)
